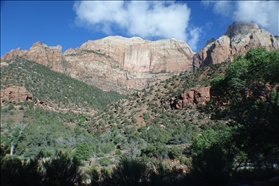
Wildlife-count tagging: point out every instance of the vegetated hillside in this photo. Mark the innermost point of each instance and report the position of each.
(231, 140)
(54, 88)
(138, 126)
(29, 128)
(149, 121)
(154, 104)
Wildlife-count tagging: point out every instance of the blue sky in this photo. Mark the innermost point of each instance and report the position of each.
(70, 23)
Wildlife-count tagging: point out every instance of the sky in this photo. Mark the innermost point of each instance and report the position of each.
(71, 23)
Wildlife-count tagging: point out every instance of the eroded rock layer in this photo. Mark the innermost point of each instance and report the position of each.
(128, 64)
(114, 63)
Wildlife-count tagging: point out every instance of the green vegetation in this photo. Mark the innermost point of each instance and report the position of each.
(146, 140)
(248, 96)
(55, 88)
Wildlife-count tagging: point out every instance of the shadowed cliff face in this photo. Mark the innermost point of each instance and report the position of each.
(128, 64)
(238, 39)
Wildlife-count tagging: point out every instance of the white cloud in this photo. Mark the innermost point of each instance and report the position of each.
(264, 13)
(147, 19)
(223, 7)
(219, 7)
(194, 35)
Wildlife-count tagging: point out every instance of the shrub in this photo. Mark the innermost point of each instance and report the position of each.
(174, 152)
(61, 171)
(130, 172)
(84, 151)
(105, 161)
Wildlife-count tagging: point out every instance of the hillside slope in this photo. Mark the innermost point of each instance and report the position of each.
(151, 120)
(167, 131)
(55, 89)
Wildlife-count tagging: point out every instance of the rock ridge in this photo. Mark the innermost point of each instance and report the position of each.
(238, 39)
(125, 65)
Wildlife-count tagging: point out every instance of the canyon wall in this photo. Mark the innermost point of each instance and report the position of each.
(128, 64)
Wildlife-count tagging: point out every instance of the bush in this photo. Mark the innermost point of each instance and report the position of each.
(18, 172)
(130, 172)
(105, 161)
(107, 148)
(175, 152)
(84, 151)
(118, 152)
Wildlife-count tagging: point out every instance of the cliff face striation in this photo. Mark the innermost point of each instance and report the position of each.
(128, 64)
(114, 63)
(238, 39)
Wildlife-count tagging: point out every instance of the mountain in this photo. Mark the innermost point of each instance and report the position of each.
(126, 65)
(114, 63)
(238, 39)
(167, 128)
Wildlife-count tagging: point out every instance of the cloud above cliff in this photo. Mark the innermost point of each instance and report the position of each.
(264, 13)
(147, 19)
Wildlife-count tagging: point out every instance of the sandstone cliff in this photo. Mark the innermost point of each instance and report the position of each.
(238, 39)
(128, 64)
(114, 63)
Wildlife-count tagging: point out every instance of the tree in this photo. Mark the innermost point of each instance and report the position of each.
(12, 133)
(84, 151)
(248, 95)
(174, 152)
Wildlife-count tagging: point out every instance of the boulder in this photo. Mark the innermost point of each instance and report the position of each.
(14, 93)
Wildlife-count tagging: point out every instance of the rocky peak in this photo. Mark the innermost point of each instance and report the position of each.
(114, 63)
(238, 39)
(39, 44)
(128, 64)
(241, 28)
(50, 56)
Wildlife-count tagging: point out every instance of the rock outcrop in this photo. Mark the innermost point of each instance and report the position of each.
(192, 96)
(50, 56)
(14, 93)
(239, 38)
